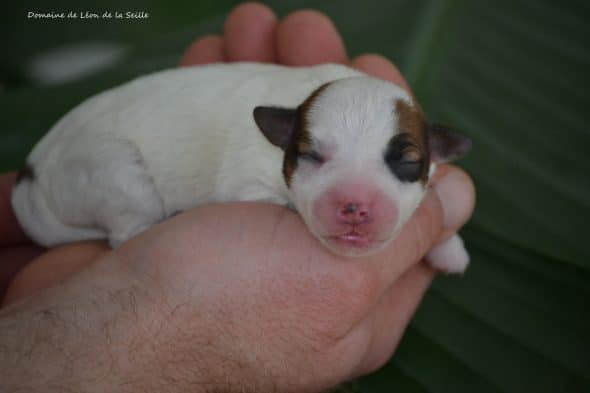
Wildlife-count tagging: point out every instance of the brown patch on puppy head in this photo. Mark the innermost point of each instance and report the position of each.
(301, 141)
(411, 121)
(411, 141)
(27, 173)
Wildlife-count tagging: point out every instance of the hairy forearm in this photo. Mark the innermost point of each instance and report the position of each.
(114, 329)
(100, 331)
(50, 349)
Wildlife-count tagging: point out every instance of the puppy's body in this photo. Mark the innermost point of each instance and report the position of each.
(173, 140)
(136, 154)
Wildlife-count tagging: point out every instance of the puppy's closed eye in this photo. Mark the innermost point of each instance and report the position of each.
(312, 156)
(404, 158)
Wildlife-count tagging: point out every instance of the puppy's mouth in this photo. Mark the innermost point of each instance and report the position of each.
(353, 238)
(353, 243)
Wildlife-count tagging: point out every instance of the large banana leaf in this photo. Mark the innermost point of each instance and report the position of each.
(511, 74)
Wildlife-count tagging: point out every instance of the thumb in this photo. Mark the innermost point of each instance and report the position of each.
(447, 206)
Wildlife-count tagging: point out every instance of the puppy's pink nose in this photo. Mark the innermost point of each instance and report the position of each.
(354, 213)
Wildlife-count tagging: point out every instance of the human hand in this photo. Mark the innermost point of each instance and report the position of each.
(229, 297)
(278, 314)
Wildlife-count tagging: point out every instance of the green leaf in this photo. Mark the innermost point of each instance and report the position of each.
(514, 76)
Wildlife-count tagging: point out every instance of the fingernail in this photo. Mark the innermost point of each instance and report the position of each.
(455, 198)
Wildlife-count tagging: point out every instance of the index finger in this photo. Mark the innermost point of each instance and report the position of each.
(10, 230)
(416, 237)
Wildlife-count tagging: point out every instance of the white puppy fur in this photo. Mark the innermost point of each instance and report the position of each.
(162, 143)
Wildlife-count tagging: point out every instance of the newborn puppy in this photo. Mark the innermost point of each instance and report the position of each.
(351, 153)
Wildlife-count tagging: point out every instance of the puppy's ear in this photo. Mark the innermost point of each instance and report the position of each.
(445, 144)
(277, 124)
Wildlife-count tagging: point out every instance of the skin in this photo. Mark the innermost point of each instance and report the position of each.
(271, 310)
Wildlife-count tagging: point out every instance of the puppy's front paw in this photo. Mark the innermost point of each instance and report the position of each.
(449, 256)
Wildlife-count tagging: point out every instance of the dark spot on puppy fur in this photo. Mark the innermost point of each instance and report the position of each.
(27, 173)
(301, 141)
(407, 152)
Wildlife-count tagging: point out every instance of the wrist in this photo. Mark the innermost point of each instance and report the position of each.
(99, 331)
(114, 328)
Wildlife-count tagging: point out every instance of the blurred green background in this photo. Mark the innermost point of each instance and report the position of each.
(513, 75)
